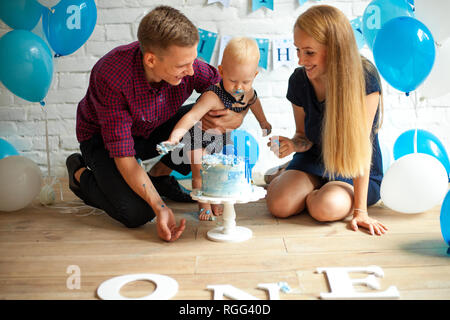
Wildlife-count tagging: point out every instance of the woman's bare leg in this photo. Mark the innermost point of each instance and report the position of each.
(332, 202)
(286, 194)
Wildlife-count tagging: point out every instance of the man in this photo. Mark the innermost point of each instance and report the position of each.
(132, 103)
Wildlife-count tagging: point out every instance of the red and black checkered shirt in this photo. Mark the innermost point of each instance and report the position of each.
(120, 103)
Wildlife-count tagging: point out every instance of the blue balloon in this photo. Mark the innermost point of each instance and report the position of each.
(404, 53)
(70, 25)
(445, 218)
(426, 143)
(386, 156)
(357, 31)
(411, 3)
(7, 149)
(245, 146)
(20, 14)
(378, 12)
(26, 65)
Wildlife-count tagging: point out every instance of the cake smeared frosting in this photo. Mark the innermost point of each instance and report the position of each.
(225, 175)
(219, 158)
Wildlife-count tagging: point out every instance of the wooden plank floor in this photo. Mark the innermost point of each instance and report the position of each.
(38, 244)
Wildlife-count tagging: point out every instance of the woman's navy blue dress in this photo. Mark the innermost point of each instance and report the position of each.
(301, 93)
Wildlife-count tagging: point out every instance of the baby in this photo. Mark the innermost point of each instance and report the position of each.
(235, 92)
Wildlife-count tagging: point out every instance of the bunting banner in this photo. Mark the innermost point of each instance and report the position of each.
(223, 43)
(302, 2)
(263, 45)
(206, 44)
(226, 3)
(283, 49)
(256, 4)
(284, 53)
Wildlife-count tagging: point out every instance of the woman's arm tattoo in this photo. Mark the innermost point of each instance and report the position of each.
(301, 143)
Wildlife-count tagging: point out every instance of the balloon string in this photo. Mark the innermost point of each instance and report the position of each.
(76, 208)
(57, 181)
(47, 144)
(417, 120)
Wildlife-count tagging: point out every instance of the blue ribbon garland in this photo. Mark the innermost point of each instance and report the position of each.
(206, 44)
(256, 4)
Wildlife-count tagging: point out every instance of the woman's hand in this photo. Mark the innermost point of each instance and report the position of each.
(281, 146)
(362, 219)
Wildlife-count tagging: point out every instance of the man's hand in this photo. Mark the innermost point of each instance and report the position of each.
(222, 120)
(140, 183)
(166, 225)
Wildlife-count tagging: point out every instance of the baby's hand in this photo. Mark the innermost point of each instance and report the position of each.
(266, 128)
(167, 146)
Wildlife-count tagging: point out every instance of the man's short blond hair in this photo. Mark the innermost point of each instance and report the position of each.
(165, 26)
(242, 50)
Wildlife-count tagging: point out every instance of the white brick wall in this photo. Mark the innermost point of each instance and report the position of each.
(22, 123)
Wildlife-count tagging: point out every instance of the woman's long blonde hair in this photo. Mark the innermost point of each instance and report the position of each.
(346, 139)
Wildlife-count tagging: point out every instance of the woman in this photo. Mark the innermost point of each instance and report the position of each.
(337, 168)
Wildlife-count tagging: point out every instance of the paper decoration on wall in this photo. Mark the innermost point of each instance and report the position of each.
(256, 4)
(223, 43)
(206, 44)
(302, 2)
(284, 53)
(263, 45)
(226, 3)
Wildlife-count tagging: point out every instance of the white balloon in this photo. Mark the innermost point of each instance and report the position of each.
(414, 183)
(47, 195)
(437, 83)
(20, 182)
(49, 3)
(386, 155)
(435, 15)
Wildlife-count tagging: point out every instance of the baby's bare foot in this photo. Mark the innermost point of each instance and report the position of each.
(217, 209)
(204, 212)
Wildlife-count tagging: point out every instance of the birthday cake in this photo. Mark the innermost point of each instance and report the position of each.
(225, 175)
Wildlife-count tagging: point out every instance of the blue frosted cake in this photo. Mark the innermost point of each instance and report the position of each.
(225, 176)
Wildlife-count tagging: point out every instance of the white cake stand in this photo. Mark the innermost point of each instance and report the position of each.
(229, 232)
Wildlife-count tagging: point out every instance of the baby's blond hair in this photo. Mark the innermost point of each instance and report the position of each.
(241, 50)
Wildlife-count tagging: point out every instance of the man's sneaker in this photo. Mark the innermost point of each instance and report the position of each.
(73, 163)
(168, 186)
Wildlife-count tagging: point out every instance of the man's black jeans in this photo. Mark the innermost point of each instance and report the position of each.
(103, 186)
